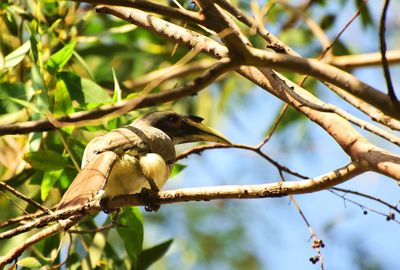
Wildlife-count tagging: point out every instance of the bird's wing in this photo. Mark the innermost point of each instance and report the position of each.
(98, 159)
(122, 140)
(89, 180)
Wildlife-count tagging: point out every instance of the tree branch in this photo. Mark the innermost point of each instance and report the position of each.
(364, 60)
(382, 40)
(169, 12)
(278, 189)
(82, 118)
(327, 73)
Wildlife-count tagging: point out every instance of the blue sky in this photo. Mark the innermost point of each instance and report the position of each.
(275, 231)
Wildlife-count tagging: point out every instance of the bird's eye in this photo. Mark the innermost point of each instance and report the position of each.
(173, 119)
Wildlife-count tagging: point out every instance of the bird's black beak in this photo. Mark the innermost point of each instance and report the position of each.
(193, 130)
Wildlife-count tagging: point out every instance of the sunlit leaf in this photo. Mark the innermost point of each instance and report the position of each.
(117, 88)
(176, 169)
(15, 57)
(62, 100)
(60, 58)
(29, 262)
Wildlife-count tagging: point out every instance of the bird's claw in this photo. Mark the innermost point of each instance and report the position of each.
(146, 196)
(104, 205)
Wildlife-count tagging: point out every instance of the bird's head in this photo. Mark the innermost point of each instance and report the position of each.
(182, 128)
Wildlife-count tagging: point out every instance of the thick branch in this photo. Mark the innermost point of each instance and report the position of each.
(167, 30)
(355, 145)
(329, 74)
(169, 12)
(278, 189)
(364, 60)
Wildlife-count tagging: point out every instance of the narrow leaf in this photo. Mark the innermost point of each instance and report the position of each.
(177, 169)
(15, 57)
(25, 104)
(29, 262)
(132, 234)
(151, 255)
(60, 58)
(117, 88)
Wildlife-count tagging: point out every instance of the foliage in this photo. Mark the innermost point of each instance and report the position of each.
(59, 58)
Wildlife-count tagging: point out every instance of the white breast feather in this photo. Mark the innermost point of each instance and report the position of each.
(126, 176)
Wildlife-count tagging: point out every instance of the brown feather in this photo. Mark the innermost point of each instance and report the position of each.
(89, 180)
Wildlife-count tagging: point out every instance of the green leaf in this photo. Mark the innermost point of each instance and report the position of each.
(177, 169)
(62, 100)
(9, 93)
(93, 92)
(366, 17)
(15, 57)
(48, 182)
(83, 90)
(132, 234)
(45, 160)
(29, 262)
(60, 58)
(328, 21)
(41, 101)
(151, 255)
(25, 104)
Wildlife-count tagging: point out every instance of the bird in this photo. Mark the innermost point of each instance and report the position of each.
(136, 157)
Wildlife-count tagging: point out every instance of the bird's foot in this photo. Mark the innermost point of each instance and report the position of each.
(146, 197)
(104, 205)
(153, 185)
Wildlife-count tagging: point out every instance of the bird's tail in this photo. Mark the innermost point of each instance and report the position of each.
(89, 181)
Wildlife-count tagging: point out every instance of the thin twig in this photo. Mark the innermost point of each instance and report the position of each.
(256, 149)
(382, 39)
(274, 126)
(21, 219)
(23, 197)
(391, 206)
(317, 243)
(365, 208)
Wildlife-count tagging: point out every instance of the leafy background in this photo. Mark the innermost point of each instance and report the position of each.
(60, 57)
